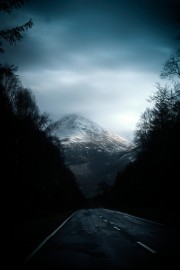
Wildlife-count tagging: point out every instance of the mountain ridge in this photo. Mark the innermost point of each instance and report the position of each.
(77, 126)
(91, 152)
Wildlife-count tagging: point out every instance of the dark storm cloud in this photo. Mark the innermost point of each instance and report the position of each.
(119, 32)
(96, 57)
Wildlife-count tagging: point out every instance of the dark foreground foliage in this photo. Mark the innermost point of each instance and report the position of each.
(151, 183)
(34, 176)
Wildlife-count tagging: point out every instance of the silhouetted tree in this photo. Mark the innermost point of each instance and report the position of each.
(156, 124)
(11, 35)
(36, 177)
(171, 67)
(26, 106)
(150, 184)
(10, 5)
(14, 34)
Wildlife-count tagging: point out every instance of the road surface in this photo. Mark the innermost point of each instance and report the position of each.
(106, 239)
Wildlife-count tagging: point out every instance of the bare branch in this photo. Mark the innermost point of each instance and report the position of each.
(171, 67)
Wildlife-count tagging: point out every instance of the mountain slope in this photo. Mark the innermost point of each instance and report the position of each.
(93, 154)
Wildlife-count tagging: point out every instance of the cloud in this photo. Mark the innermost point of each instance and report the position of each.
(114, 99)
(99, 58)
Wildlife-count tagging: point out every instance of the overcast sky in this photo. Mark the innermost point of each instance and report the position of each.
(98, 58)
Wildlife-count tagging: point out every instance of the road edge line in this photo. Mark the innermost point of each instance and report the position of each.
(46, 239)
(145, 219)
(146, 247)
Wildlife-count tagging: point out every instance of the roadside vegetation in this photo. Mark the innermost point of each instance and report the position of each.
(149, 186)
(39, 190)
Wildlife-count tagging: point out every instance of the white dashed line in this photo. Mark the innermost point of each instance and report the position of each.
(105, 220)
(117, 228)
(148, 248)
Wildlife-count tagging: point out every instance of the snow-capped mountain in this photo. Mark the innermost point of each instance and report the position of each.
(93, 153)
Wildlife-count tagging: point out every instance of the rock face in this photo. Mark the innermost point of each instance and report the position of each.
(92, 153)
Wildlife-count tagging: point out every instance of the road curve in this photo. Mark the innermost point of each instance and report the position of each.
(106, 239)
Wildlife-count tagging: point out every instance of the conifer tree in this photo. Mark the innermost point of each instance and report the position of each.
(13, 34)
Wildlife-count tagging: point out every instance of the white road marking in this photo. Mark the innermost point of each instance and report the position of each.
(148, 248)
(100, 216)
(105, 220)
(117, 228)
(46, 239)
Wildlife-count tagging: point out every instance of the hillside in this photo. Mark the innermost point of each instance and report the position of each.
(93, 154)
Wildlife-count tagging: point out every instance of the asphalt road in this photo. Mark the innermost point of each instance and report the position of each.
(106, 239)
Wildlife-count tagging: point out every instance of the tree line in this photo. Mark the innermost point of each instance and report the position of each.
(34, 176)
(152, 181)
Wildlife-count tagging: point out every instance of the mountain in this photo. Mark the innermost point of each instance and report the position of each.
(93, 154)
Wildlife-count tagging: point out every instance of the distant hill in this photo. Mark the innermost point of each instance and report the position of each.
(93, 154)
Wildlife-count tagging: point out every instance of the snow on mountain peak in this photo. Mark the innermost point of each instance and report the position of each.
(74, 125)
(92, 153)
(76, 128)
